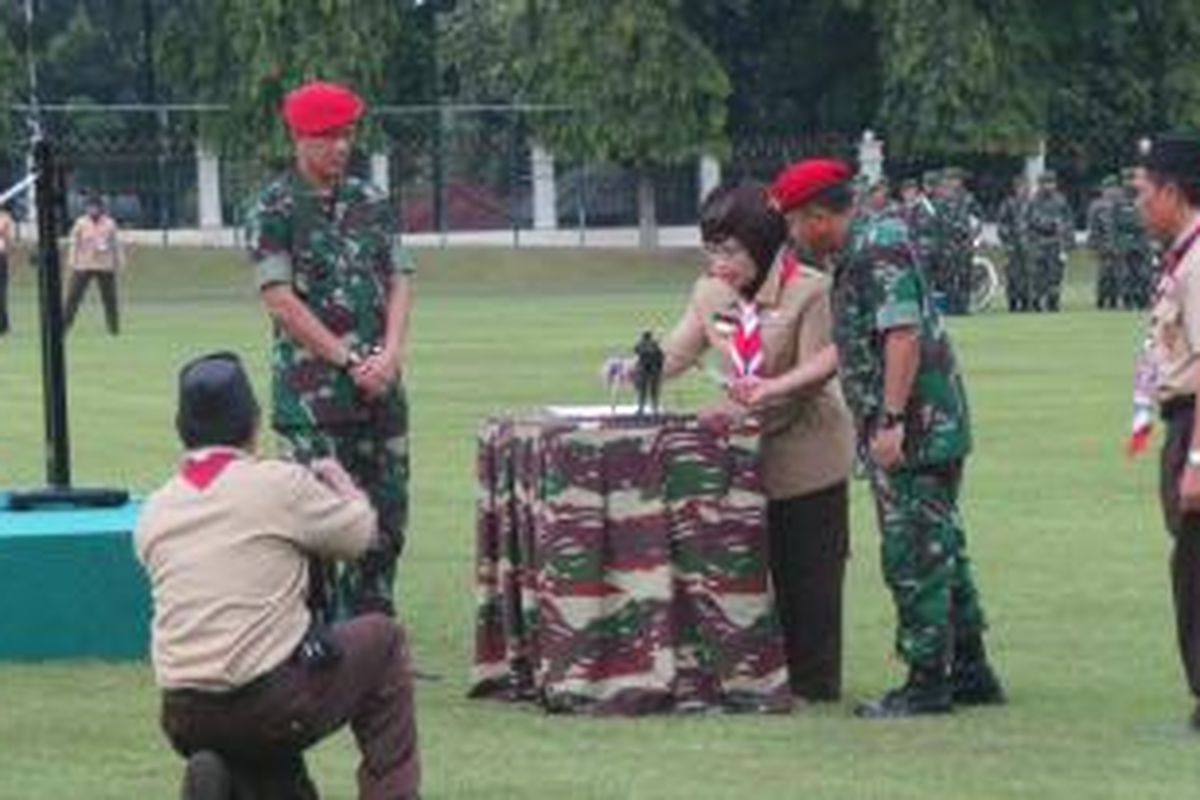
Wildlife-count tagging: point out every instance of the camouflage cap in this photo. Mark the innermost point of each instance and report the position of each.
(909, 183)
(1110, 182)
(931, 176)
(954, 173)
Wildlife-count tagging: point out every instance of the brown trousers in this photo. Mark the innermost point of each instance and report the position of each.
(809, 541)
(1185, 530)
(262, 730)
(108, 296)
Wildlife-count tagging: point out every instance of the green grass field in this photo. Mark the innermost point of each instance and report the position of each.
(1064, 531)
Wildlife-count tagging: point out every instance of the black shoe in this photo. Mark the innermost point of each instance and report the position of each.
(1194, 719)
(926, 692)
(207, 778)
(976, 684)
(972, 679)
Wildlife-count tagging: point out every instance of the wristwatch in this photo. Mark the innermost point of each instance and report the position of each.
(890, 419)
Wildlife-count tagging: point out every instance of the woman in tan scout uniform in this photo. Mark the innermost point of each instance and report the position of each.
(807, 439)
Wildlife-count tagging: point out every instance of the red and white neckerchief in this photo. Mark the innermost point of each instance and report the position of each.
(745, 345)
(1146, 369)
(200, 468)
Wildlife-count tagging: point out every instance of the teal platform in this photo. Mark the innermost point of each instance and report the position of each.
(70, 586)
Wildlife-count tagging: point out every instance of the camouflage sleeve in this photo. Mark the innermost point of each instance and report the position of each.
(269, 240)
(899, 290)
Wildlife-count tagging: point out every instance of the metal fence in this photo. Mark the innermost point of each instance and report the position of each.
(450, 168)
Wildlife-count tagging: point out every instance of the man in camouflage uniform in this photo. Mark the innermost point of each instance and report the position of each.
(960, 218)
(1011, 227)
(1135, 252)
(1101, 239)
(1051, 236)
(922, 214)
(338, 291)
(904, 390)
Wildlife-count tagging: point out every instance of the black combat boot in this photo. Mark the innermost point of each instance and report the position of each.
(206, 777)
(927, 691)
(972, 679)
(1052, 303)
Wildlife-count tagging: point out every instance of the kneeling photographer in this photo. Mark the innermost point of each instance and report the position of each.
(249, 680)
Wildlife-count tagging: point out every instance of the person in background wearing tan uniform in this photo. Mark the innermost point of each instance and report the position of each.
(249, 682)
(95, 254)
(8, 241)
(1168, 198)
(806, 429)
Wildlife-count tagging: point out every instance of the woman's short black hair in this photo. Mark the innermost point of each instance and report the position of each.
(741, 211)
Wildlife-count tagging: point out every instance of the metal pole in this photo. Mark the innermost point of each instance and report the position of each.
(54, 374)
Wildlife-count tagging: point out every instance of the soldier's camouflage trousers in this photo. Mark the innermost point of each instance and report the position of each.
(1016, 276)
(1048, 270)
(1109, 276)
(924, 560)
(379, 465)
(1136, 278)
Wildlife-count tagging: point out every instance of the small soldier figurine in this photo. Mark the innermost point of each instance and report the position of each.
(647, 372)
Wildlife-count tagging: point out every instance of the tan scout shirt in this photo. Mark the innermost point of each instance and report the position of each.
(1175, 325)
(94, 244)
(807, 439)
(226, 552)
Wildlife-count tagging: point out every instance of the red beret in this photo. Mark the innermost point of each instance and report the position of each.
(318, 107)
(800, 182)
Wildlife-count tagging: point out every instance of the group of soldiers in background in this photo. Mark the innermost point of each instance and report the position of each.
(1124, 255)
(945, 221)
(1037, 231)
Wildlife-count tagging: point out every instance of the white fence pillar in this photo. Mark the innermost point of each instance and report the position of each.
(870, 156)
(381, 172)
(710, 175)
(1035, 164)
(545, 192)
(208, 179)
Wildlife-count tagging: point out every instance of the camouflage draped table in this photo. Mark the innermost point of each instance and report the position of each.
(621, 569)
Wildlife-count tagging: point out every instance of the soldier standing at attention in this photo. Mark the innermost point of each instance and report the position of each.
(922, 214)
(1168, 198)
(1136, 254)
(1101, 233)
(337, 287)
(1051, 236)
(1011, 227)
(960, 216)
(910, 410)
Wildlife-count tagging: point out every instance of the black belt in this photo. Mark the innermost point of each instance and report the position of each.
(1169, 409)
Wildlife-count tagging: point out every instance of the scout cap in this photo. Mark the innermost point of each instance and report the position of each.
(216, 402)
(1173, 154)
